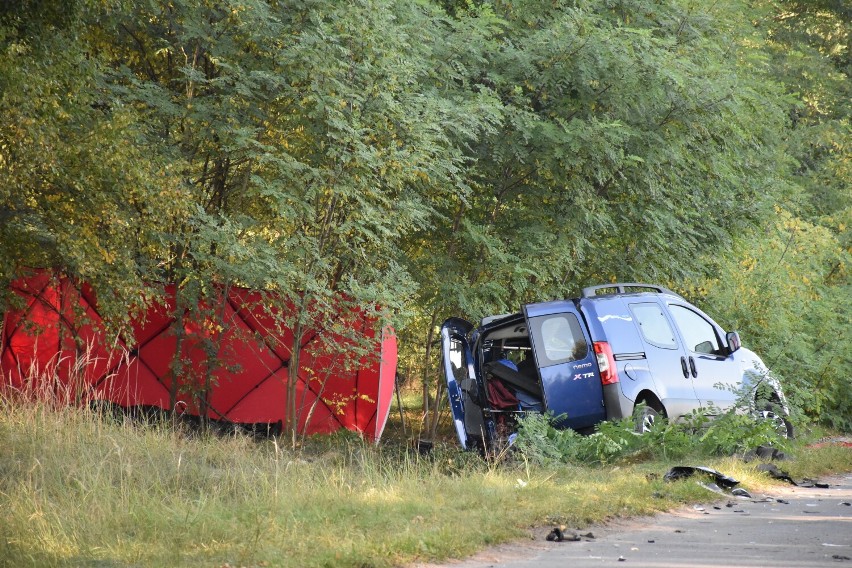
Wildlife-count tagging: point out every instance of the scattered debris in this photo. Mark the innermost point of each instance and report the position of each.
(740, 492)
(782, 475)
(683, 471)
(775, 473)
(558, 534)
(764, 453)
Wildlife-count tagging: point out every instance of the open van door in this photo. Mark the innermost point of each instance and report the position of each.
(567, 363)
(464, 388)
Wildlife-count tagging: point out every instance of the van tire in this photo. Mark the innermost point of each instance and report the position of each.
(782, 425)
(772, 410)
(644, 417)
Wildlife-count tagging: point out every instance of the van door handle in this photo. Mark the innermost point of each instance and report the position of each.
(692, 367)
(684, 368)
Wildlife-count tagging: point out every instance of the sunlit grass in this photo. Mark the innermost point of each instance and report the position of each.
(79, 489)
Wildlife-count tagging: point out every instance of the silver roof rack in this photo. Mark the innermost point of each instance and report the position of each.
(626, 288)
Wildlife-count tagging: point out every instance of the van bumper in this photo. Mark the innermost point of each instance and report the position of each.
(617, 405)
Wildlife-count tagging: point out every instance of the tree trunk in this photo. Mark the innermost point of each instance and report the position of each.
(430, 337)
(291, 416)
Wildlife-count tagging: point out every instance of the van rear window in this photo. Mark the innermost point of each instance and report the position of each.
(558, 339)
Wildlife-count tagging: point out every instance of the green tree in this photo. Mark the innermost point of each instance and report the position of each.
(74, 194)
(304, 139)
(787, 284)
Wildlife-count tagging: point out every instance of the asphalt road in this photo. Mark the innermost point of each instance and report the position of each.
(788, 528)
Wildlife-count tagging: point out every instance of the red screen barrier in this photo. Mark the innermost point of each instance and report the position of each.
(233, 368)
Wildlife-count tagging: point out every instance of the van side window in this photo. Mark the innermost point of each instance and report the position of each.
(459, 365)
(558, 338)
(654, 325)
(698, 333)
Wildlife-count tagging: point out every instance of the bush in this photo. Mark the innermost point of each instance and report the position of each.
(540, 442)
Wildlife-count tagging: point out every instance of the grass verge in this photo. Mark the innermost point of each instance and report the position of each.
(80, 490)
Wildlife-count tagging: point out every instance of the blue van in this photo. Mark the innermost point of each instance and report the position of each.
(618, 350)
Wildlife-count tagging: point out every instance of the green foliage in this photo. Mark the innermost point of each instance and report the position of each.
(74, 194)
(736, 434)
(620, 129)
(786, 290)
(541, 442)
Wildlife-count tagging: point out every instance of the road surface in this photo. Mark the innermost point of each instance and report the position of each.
(787, 528)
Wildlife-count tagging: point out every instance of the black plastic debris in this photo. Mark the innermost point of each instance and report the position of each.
(683, 471)
(740, 492)
(559, 535)
(764, 453)
(776, 473)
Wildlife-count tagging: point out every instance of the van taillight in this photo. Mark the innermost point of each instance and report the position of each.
(606, 363)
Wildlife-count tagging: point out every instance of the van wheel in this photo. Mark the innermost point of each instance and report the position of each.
(773, 411)
(645, 417)
(783, 427)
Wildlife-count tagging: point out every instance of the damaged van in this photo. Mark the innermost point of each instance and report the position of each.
(618, 350)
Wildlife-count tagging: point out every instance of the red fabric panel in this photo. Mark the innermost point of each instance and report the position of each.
(386, 382)
(132, 385)
(55, 345)
(250, 362)
(264, 402)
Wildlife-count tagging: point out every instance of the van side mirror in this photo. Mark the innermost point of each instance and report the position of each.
(734, 342)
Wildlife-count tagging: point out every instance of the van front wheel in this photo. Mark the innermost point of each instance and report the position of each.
(773, 411)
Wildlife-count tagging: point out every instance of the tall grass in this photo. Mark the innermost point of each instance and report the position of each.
(81, 489)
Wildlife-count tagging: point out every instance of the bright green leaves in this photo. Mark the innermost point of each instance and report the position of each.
(628, 137)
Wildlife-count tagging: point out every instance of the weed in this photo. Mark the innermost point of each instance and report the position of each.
(542, 443)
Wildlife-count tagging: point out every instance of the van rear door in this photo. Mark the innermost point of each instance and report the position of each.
(464, 388)
(566, 362)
